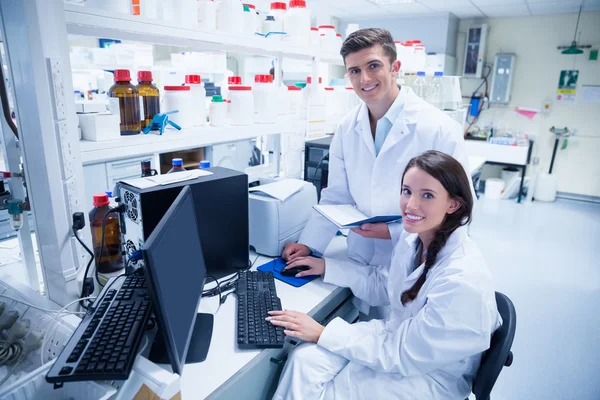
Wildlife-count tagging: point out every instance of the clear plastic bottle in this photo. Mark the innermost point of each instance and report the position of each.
(112, 260)
(177, 165)
(149, 98)
(435, 95)
(420, 86)
(124, 97)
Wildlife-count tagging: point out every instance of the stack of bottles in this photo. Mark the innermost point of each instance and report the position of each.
(432, 92)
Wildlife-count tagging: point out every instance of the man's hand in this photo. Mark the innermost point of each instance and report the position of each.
(293, 250)
(316, 265)
(379, 230)
(297, 324)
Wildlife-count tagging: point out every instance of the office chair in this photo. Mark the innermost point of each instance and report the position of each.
(499, 354)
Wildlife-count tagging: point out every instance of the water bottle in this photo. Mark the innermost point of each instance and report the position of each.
(420, 85)
(177, 166)
(436, 91)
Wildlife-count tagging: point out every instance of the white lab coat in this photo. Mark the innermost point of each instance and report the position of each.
(357, 176)
(429, 349)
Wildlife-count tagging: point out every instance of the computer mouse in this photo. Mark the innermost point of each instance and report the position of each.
(293, 271)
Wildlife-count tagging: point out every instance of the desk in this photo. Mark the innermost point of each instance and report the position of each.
(496, 154)
(228, 372)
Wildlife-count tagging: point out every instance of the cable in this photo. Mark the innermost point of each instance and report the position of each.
(56, 319)
(219, 291)
(253, 262)
(325, 157)
(38, 308)
(85, 247)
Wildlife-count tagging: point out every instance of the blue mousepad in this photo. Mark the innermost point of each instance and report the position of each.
(277, 265)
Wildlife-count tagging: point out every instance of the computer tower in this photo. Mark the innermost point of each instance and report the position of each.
(316, 162)
(221, 205)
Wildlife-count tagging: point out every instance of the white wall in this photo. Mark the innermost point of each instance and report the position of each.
(534, 41)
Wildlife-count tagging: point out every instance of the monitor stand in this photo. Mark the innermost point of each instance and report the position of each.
(199, 342)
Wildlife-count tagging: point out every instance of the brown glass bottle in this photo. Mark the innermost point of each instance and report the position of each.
(112, 260)
(128, 100)
(149, 98)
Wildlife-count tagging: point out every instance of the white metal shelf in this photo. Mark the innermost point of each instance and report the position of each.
(99, 23)
(173, 140)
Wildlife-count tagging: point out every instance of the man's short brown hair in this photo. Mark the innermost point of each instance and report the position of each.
(365, 38)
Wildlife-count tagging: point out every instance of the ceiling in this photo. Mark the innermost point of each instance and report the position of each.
(367, 9)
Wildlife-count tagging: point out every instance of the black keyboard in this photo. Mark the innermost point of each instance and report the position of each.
(104, 345)
(256, 296)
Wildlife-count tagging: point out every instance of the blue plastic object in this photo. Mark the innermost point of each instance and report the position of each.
(204, 164)
(279, 264)
(160, 121)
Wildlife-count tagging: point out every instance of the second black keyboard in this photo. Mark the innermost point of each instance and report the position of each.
(256, 297)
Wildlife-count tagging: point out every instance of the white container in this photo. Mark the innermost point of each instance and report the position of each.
(545, 187)
(420, 60)
(295, 101)
(315, 39)
(297, 23)
(99, 127)
(279, 11)
(230, 16)
(338, 42)
(315, 99)
(493, 188)
(271, 24)
(265, 100)
(198, 98)
(182, 12)
(179, 98)
(328, 38)
(241, 108)
(351, 28)
(257, 18)
(335, 98)
(283, 102)
(218, 111)
(207, 15)
(249, 21)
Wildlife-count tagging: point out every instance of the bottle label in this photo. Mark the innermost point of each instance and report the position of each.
(142, 114)
(113, 105)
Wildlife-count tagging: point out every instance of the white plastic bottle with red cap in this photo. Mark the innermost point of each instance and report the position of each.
(315, 39)
(179, 98)
(230, 16)
(295, 102)
(265, 100)
(279, 11)
(241, 108)
(198, 98)
(328, 38)
(315, 103)
(297, 23)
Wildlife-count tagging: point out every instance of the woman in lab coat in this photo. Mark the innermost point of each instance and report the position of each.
(442, 305)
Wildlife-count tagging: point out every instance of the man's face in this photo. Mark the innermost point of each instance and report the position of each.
(372, 75)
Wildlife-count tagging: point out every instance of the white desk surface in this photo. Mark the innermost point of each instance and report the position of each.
(475, 162)
(224, 358)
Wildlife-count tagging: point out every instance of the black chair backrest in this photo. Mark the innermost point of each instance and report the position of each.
(499, 354)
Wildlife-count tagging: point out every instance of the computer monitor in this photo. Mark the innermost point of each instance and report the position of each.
(175, 273)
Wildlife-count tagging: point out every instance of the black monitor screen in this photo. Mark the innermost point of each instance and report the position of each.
(175, 268)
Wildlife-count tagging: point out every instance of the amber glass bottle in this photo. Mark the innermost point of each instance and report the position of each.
(149, 98)
(126, 96)
(112, 260)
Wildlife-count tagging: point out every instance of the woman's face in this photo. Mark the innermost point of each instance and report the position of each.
(424, 202)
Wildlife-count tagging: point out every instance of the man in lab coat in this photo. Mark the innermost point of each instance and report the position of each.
(371, 148)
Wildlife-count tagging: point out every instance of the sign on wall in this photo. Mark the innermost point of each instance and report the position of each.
(567, 86)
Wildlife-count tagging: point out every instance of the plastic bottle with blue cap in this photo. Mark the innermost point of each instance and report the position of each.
(177, 165)
(420, 86)
(204, 164)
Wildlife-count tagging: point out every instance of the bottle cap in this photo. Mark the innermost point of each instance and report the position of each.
(246, 8)
(278, 5)
(176, 88)
(263, 78)
(297, 4)
(421, 73)
(122, 75)
(144, 76)
(438, 73)
(270, 18)
(177, 162)
(193, 79)
(234, 80)
(204, 164)
(217, 99)
(100, 200)
(309, 79)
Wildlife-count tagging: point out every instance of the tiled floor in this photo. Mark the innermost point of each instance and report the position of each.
(546, 258)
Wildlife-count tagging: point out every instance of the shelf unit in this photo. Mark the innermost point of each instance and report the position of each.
(99, 23)
(173, 140)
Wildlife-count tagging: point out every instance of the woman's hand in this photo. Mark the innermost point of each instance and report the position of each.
(379, 230)
(316, 265)
(297, 324)
(294, 250)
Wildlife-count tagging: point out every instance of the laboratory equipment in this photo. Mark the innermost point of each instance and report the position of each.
(104, 345)
(504, 65)
(179, 98)
(274, 223)
(149, 98)
(15, 214)
(147, 169)
(547, 185)
(297, 23)
(106, 236)
(160, 122)
(420, 85)
(474, 51)
(218, 111)
(124, 101)
(316, 162)
(176, 166)
(198, 95)
(221, 201)
(175, 273)
(257, 296)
